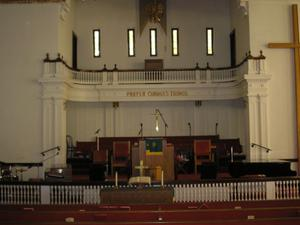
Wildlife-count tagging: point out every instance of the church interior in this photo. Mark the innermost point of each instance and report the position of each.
(150, 111)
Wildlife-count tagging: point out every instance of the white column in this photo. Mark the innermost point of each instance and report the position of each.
(47, 131)
(258, 131)
(60, 124)
(54, 131)
(264, 125)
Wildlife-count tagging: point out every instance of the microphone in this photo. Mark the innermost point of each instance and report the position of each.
(216, 128)
(141, 129)
(260, 146)
(97, 131)
(58, 148)
(190, 128)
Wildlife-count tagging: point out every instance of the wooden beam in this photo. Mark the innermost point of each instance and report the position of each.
(283, 45)
(295, 45)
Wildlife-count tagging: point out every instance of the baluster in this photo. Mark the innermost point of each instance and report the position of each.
(176, 194)
(1, 194)
(297, 188)
(58, 193)
(207, 197)
(73, 194)
(279, 190)
(180, 189)
(284, 191)
(66, 193)
(201, 198)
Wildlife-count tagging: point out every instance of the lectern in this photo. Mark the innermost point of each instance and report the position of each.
(164, 161)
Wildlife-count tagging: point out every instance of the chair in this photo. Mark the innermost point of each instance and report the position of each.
(202, 152)
(121, 155)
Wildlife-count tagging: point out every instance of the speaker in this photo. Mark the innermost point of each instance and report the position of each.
(96, 172)
(208, 171)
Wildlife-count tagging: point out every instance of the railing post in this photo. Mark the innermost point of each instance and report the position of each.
(198, 78)
(59, 69)
(261, 66)
(208, 76)
(208, 73)
(270, 190)
(115, 77)
(104, 74)
(45, 195)
(46, 68)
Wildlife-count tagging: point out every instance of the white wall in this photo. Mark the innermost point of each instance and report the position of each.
(240, 22)
(27, 32)
(83, 119)
(271, 21)
(114, 17)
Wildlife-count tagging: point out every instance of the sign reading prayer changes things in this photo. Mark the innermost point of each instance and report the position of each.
(154, 146)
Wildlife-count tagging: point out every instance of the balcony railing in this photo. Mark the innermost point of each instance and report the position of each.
(59, 69)
(204, 191)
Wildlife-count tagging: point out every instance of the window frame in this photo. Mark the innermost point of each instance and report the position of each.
(150, 39)
(99, 41)
(177, 43)
(212, 41)
(133, 42)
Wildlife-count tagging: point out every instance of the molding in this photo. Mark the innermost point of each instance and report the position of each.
(244, 5)
(65, 8)
(28, 1)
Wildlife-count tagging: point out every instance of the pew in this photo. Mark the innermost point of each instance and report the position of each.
(187, 213)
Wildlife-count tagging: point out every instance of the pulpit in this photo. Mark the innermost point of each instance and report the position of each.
(155, 161)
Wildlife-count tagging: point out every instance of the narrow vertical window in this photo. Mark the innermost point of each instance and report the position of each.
(131, 42)
(96, 43)
(175, 42)
(153, 42)
(209, 41)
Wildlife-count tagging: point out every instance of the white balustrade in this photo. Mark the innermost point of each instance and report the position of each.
(33, 194)
(121, 77)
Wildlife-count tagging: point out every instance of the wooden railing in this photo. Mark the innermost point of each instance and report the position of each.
(204, 191)
(59, 68)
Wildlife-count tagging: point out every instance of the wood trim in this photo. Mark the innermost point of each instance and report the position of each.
(29, 1)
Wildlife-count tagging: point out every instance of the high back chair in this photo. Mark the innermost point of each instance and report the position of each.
(202, 152)
(121, 155)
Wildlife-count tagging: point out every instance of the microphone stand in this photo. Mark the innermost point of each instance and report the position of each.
(157, 112)
(216, 128)
(50, 149)
(50, 157)
(190, 129)
(141, 130)
(260, 146)
(97, 138)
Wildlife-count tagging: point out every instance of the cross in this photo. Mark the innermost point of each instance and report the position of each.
(296, 46)
(141, 168)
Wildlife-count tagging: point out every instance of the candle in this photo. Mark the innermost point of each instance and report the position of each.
(97, 138)
(162, 178)
(231, 153)
(116, 179)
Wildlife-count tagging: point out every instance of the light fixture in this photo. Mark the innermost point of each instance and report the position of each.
(156, 120)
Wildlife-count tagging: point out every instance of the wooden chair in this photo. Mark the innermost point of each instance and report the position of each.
(121, 155)
(100, 157)
(202, 152)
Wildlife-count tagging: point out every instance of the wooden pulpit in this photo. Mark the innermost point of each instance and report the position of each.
(155, 162)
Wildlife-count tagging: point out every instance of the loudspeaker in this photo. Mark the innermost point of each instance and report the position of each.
(208, 171)
(97, 172)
